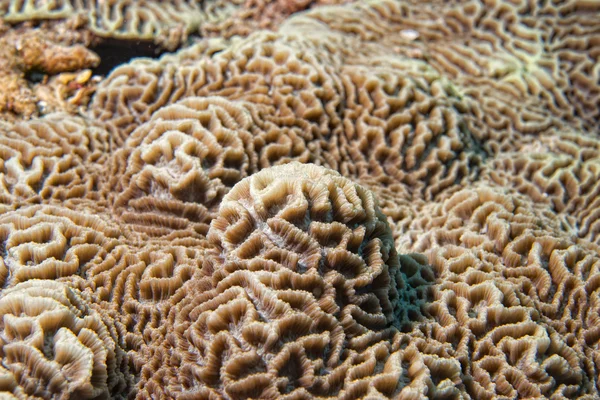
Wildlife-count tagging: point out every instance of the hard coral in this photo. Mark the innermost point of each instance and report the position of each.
(305, 293)
(56, 346)
(55, 157)
(384, 200)
(323, 98)
(174, 170)
(167, 24)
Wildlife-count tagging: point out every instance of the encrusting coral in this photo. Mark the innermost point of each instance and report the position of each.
(383, 199)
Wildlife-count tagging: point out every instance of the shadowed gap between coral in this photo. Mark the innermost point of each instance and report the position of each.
(114, 52)
(419, 278)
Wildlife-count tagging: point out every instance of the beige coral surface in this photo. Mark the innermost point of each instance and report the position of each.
(382, 199)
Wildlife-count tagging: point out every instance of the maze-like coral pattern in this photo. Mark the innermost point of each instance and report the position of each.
(167, 23)
(57, 157)
(562, 171)
(54, 345)
(306, 284)
(174, 170)
(362, 111)
(381, 200)
(52, 242)
(511, 302)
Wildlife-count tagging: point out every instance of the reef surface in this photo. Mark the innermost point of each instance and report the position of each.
(302, 199)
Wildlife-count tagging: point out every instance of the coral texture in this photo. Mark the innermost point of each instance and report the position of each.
(301, 291)
(167, 23)
(58, 156)
(53, 345)
(382, 199)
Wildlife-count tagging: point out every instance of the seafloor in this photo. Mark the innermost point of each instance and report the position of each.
(296, 199)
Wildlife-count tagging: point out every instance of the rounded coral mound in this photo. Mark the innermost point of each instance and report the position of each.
(53, 345)
(304, 295)
(173, 171)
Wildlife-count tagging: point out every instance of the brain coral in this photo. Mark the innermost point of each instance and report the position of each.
(305, 284)
(55, 346)
(323, 98)
(385, 199)
(176, 168)
(167, 23)
(55, 157)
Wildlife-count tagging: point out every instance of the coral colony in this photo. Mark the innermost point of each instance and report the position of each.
(280, 199)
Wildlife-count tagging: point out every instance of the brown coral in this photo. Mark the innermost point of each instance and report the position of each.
(54, 345)
(167, 23)
(512, 288)
(306, 280)
(52, 242)
(302, 95)
(55, 157)
(451, 250)
(174, 170)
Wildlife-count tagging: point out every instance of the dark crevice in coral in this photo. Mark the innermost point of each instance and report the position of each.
(35, 76)
(116, 52)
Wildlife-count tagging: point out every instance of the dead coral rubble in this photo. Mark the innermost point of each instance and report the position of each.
(39, 54)
(24, 53)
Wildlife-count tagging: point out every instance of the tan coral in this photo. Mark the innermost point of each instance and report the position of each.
(56, 157)
(305, 277)
(55, 345)
(562, 171)
(513, 286)
(305, 107)
(252, 15)
(473, 124)
(51, 242)
(175, 169)
(166, 23)
(135, 287)
(498, 51)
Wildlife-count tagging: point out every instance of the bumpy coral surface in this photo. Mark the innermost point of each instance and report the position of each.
(35, 66)
(167, 23)
(54, 345)
(300, 292)
(381, 199)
